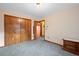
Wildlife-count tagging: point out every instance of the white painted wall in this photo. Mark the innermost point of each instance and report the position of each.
(62, 24)
(13, 14)
(1, 29)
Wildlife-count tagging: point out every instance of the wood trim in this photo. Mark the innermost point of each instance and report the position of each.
(17, 16)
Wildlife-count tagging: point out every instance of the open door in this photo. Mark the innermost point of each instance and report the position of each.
(16, 29)
(43, 28)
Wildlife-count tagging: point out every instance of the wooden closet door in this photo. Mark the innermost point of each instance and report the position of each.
(28, 23)
(16, 29)
(12, 30)
(25, 30)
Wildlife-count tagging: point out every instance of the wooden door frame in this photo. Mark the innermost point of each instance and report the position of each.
(44, 26)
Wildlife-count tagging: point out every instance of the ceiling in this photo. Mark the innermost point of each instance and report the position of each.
(38, 11)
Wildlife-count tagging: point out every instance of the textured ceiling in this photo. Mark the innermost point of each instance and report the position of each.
(43, 10)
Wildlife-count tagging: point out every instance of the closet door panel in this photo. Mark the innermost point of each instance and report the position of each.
(16, 29)
(11, 30)
(22, 30)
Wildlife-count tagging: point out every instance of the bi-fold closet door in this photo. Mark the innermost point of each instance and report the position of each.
(16, 29)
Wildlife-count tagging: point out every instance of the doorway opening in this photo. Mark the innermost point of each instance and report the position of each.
(39, 29)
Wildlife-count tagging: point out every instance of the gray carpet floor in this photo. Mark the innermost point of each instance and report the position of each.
(37, 47)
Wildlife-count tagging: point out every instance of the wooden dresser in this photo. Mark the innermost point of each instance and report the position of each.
(71, 46)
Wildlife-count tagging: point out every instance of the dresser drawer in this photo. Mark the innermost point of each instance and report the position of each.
(70, 47)
(69, 43)
(77, 47)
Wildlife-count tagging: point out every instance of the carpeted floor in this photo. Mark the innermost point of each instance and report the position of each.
(34, 48)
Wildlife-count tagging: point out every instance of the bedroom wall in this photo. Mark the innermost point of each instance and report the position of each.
(1, 29)
(62, 24)
(13, 14)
